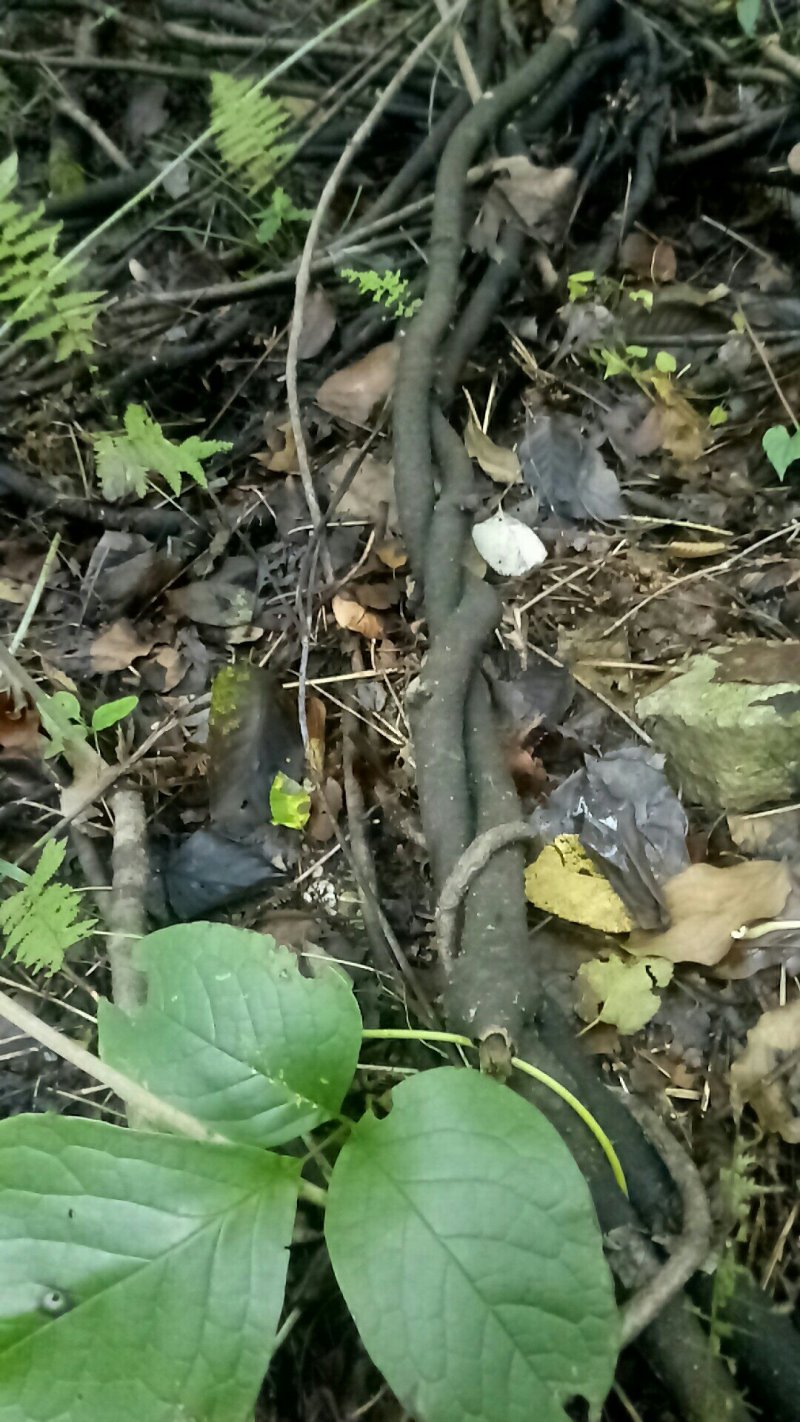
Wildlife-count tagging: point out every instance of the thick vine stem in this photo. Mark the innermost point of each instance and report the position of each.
(414, 473)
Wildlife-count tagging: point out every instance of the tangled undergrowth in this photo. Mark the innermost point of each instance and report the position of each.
(476, 335)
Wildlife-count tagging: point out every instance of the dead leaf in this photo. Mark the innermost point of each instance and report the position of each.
(619, 991)
(652, 261)
(117, 646)
(281, 461)
(757, 1079)
(164, 669)
(354, 618)
(379, 596)
(371, 489)
(706, 905)
(19, 725)
(793, 159)
(392, 554)
(509, 546)
(213, 602)
(11, 591)
(352, 393)
(563, 880)
(566, 471)
(146, 112)
(558, 12)
(319, 324)
(499, 463)
(541, 198)
(326, 806)
(676, 427)
(315, 748)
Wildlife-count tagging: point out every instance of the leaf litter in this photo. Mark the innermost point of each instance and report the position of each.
(628, 520)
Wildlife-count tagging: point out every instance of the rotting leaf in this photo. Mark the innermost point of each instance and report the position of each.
(537, 198)
(767, 1074)
(620, 991)
(117, 646)
(370, 492)
(318, 325)
(706, 905)
(253, 736)
(352, 393)
(566, 471)
(508, 545)
(564, 881)
(654, 261)
(499, 463)
(350, 615)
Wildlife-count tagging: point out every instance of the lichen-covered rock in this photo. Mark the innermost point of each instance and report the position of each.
(730, 725)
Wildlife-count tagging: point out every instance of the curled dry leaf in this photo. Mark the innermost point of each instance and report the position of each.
(709, 549)
(352, 393)
(355, 618)
(540, 197)
(19, 725)
(508, 545)
(117, 646)
(319, 324)
(371, 489)
(281, 461)
(707, 905)
(756, 1077)
(653, 261)
(500, 464)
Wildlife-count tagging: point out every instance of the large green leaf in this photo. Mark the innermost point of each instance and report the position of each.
(141, 1276)
(233, 1033)
(464, 1240)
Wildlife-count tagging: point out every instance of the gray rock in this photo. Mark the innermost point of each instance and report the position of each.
(729, 725)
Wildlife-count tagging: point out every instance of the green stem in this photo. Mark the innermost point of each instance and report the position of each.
(410, 1034)
(312, 1194)
(35, 597)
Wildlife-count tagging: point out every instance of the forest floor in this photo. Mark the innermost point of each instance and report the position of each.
(461, 497)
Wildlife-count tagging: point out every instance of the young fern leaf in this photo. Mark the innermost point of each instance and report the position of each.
(247, 128)
(33, 283)
(41, 920)
(123, 461)
(388, 289)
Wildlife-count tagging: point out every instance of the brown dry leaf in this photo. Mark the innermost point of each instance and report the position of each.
(326, 806)
(675, 427)
(696, 550)
(541, 197)
(19, 725)
(315, 749)
(11, 591)
(706, 905)
(354, 618)
(653, 261)
(117, 646)
(281, 461)
(352, 393)
(392, 554)
(371, 489)
(164, 669)
(756, 1077)
(319, 324)
(379, 596)
(500, 464)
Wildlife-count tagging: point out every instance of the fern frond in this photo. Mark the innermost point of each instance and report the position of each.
(388, 289)
(123, 461)
(41, 920)
(34, 285)
(247, 128)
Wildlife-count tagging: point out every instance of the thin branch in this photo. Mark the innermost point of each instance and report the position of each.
(126, 914)
(693, 1245)
(168, 1117)
(304, 270)
(457, 884)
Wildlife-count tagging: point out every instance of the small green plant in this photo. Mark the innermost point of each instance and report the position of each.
(748, 13)
(388, 289)
(280, 213)
(605, 289)
(41, 921)
(63, 721)
(124, 460)
(781, 447)
(248, 128)
(289, 803)
(35, 286)
(460, 1229)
